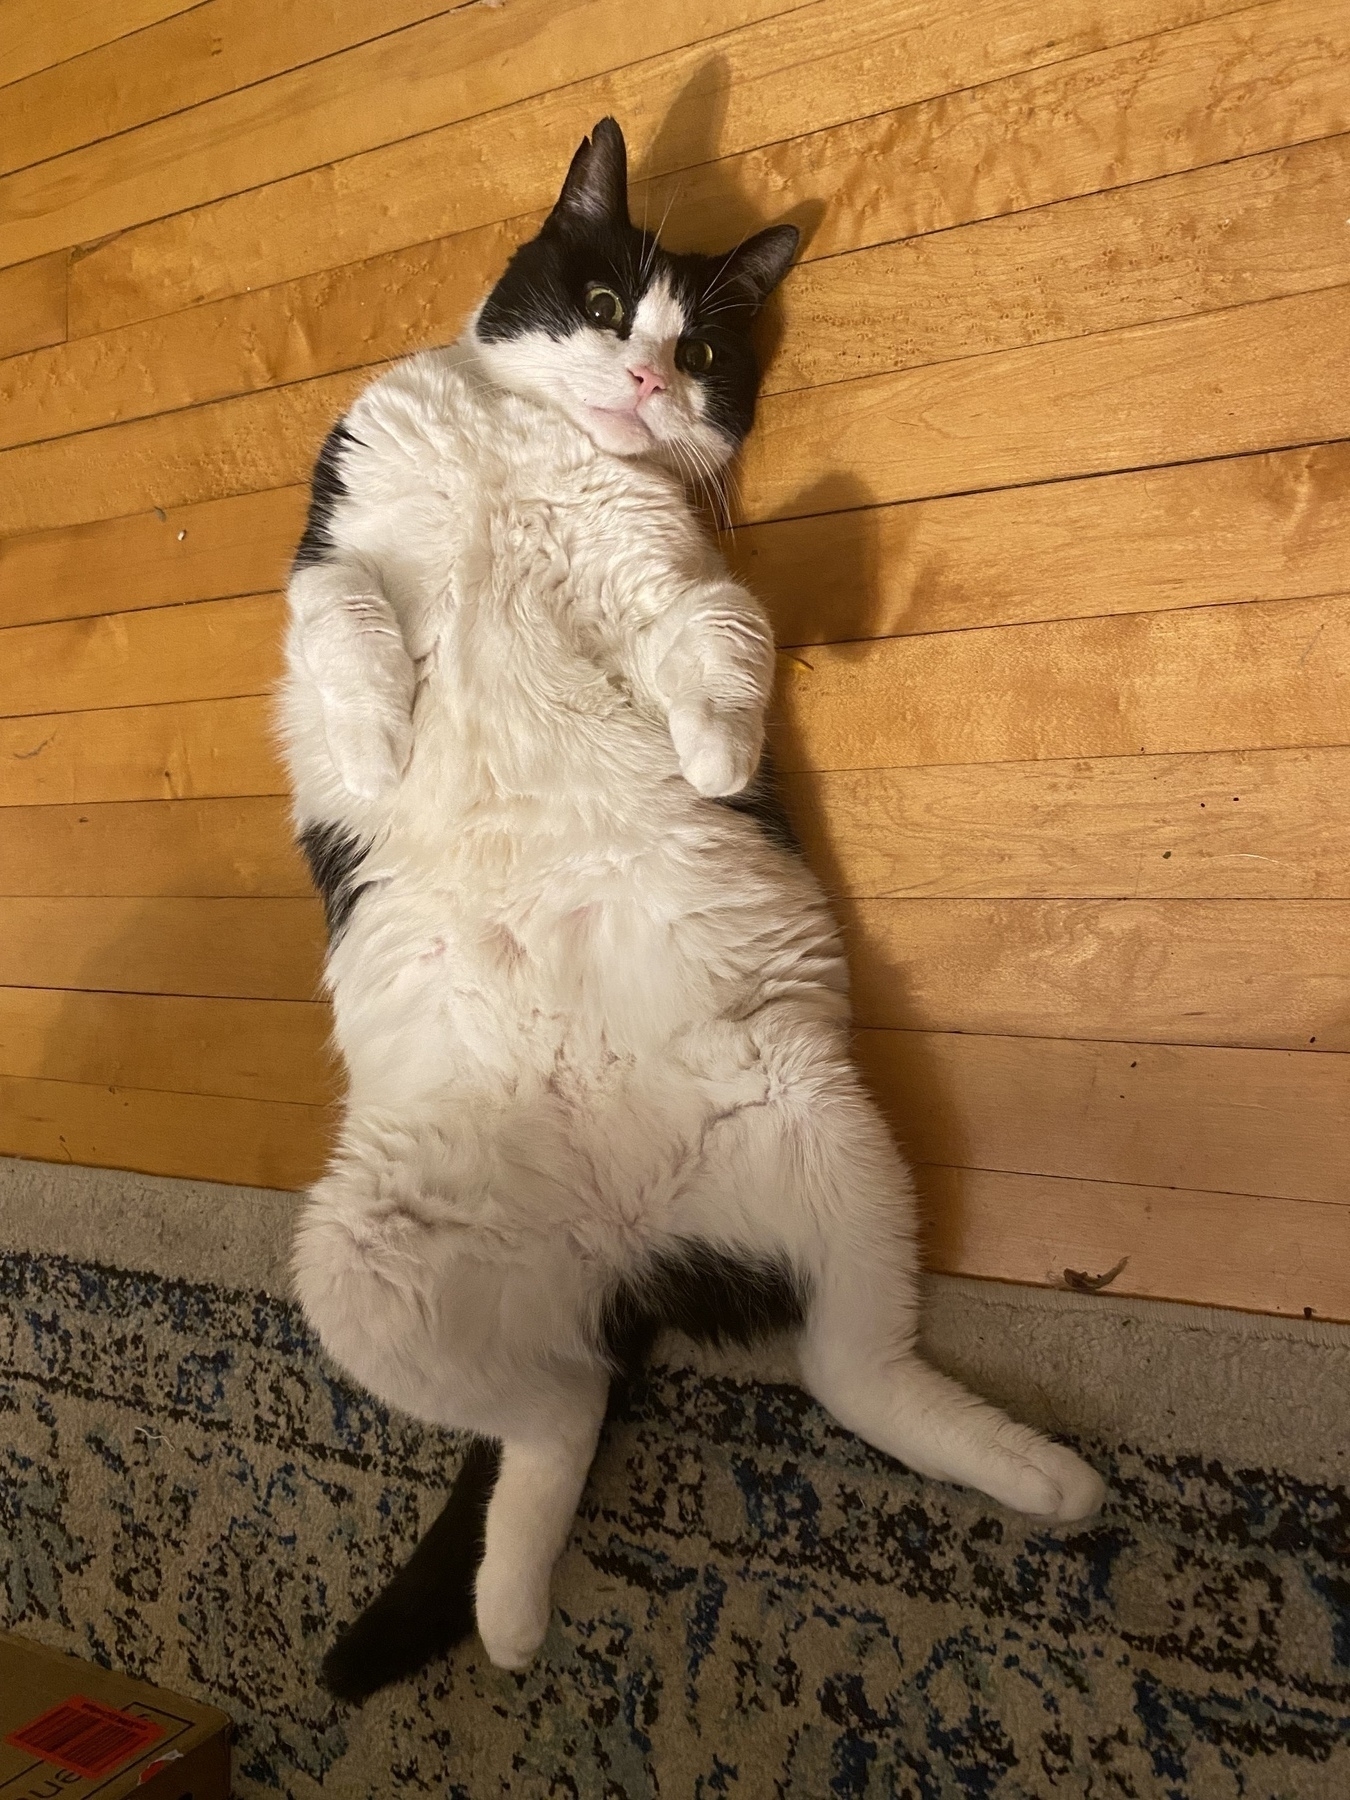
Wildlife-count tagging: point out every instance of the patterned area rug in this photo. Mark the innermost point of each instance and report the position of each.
(754, 1603)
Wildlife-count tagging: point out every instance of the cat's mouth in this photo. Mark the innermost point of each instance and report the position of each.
(620, 428)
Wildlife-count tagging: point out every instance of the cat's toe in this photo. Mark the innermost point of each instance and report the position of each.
(1067, 1488)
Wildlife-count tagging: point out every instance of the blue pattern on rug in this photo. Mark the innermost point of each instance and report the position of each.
(754, 1602)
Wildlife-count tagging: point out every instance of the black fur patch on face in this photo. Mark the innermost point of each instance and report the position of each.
(762, 801)
(711, 1295)
(334, 855)
(428, 1606)
(326, 488)
(589, 238)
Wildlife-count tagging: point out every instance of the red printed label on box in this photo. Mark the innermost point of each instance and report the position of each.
(86, 1737)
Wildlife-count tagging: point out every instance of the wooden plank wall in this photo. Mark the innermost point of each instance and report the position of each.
(1050, 496)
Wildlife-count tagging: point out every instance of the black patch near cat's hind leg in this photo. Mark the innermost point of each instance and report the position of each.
(714, 1296)
(429, 1605)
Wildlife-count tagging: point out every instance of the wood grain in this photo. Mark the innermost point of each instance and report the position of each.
(252, 1142)
(1256, 377)
(216, 550)
(189, 848)
(1261, 1255)
(1242, 528)
(35, 37)
(1269, 973)
(207, 50)
(457, 66)
(32, 305)
(1252, 825)
(235, 949)
(212, 650)
(682, 111)
(200, 749)
(1259, 228)
(206, 453)
(242, 1049)
(1267, 675)
(1252, 229)
(1196, 534)
(1210, 1120)
(1150, 105)
(1130, 827)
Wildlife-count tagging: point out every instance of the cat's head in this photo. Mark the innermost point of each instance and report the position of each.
(647, 352)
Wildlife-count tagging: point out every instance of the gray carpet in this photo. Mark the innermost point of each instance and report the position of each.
(753, 1603)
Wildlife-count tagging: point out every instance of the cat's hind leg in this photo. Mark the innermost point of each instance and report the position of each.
(545, 1457)
(813, 1175)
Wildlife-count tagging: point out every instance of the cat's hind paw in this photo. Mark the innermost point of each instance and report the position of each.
(512, 1615)
(1047, 1481)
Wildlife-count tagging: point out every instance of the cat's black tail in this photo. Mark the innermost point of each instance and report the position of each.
(428, 1606)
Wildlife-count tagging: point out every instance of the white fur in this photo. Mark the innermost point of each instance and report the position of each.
(585, 1012)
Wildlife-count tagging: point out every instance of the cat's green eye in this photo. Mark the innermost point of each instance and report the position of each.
(604, 307)
(695, 356)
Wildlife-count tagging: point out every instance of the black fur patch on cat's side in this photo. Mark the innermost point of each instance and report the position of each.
(761, 800)
(713, 1296)
(325, 490)
(428, 1607)
(334, 855)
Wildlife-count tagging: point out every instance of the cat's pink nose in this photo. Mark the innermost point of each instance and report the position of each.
(648, 380)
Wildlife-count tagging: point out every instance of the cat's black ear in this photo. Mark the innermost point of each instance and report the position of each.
(596, 189)
(760, 263)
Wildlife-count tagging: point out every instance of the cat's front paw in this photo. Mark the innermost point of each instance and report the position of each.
(370, 746)
(718, 751)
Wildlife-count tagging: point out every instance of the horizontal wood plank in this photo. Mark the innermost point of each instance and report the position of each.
(1130, 827)
(1256, 229)
(206, 50)
(256, 1143)
(1269, 973)
(197, 750)
(1256, 377)
(1195, 534)
(1236, 1250)
(457, 66)
(162, 558)
(212, 650)
(240, 446)
(1253, 229)
(1259, 377)
(1252, 825)
(1241, 528)
(1268, 675)
(241, 1049)
(33, 305)
(1265, 973)
(1149, 105)
(684, 112)
(1211, 1120)
(34, 37)
(206, 849)
(234, 949)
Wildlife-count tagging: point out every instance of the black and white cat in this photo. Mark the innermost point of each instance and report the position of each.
(594, 1016)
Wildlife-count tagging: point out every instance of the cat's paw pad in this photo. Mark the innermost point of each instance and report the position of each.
(512, 1619)
(718, 751)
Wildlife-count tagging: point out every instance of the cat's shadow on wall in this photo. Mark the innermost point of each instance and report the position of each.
(717, 199)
